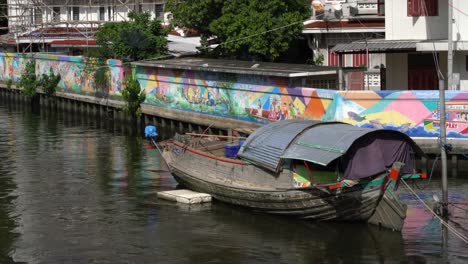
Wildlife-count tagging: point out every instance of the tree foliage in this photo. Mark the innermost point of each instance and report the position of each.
(139, 38)
(133, 95)
(28, 81)
(249, 29)
(49, 82)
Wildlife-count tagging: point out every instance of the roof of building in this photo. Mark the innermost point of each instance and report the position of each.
(70, 43)
(376, 46)
(242, 67)
(321, 26)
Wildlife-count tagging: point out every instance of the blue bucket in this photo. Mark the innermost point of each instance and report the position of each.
(231, 150)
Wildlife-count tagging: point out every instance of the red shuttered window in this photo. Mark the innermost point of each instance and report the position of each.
(333, 59)
(359, 60)
(423, 8)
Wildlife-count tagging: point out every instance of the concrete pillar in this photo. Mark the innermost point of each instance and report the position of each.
(172, 124)
(454, 165)
(340, 72)
(424, 165)
(146, 119)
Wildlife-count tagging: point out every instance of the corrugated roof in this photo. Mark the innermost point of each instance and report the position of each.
(266, 144)
(324, 143)
(242, 67)
(375, 46)
(315, 141)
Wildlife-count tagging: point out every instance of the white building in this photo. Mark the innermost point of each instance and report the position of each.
(416, 33)
(37, 24)
(340, 22)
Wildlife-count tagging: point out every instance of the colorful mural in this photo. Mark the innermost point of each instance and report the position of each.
(261, 99)
(70, 68)
(250, 98)
(415, 113)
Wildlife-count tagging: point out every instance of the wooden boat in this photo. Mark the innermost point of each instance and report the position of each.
(308, 169)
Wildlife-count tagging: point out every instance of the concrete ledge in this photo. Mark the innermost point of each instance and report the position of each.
(185, 196)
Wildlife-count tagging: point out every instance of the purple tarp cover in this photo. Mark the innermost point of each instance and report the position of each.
(369, 156)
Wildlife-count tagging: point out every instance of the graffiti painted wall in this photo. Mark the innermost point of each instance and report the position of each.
(261, 99)
(244, 97)
(71, 69)
(267, 99)
(415, 113)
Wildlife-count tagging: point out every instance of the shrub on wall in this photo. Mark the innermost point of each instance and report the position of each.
(49, 82)
(133, 95)
(28, 81)
(9, 83)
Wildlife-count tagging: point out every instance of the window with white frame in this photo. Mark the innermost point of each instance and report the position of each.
(102, 15)
(56, 14)
(76, 13)
(159, 11)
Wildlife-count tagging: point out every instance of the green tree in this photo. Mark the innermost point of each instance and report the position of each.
(28, 81)
(49, 82)
(249, 29)
(133, 96)
(139, 38)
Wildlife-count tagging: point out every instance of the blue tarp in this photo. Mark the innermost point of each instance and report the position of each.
(150, 131)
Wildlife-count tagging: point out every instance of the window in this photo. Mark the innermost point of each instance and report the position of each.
(56, 14)
(102, 14)
(38, 16)
(423, 8)
(76, 13)
(334, 57)
(159, 11)
(466, 63)
(109, 13)
(381, 7)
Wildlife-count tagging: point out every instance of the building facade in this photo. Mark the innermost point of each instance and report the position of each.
(37, 25)
(346, 21)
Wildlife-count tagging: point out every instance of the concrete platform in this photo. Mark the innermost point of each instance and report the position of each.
(185, 196)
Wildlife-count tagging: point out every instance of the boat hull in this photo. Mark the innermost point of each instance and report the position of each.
(197, 173)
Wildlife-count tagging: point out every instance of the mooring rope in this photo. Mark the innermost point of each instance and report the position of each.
(449, 227)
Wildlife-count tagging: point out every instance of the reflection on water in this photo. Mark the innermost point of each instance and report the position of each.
(74, 191)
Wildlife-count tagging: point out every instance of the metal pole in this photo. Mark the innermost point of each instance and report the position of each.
(450, 47)
(443, 153)
(340, 72)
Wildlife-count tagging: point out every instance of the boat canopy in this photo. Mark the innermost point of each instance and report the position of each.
(363, 152)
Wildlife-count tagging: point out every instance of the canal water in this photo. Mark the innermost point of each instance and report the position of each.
(80, 191)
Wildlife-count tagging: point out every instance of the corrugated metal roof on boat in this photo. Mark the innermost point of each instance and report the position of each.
(266, 144)
(324, 143)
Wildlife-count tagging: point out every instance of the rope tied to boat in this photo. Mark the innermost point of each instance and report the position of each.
(442, 221)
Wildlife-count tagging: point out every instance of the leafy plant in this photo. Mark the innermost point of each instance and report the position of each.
(133, 96)
(28, 81)
(9, 83)
(319, 59)
(49, 82)
(248, 29)
(139, 38)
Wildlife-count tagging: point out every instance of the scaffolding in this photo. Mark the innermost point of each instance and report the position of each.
(31, 21)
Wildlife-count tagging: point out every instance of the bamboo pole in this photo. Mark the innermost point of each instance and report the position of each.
(218, 136)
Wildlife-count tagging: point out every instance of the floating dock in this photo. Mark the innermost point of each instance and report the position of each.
(185, 196)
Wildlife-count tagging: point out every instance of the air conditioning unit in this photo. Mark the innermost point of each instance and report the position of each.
(364, 7)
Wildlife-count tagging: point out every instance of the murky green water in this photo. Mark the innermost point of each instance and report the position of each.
(74, 191)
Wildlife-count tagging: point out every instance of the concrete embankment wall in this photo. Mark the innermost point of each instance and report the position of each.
(226, 101)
